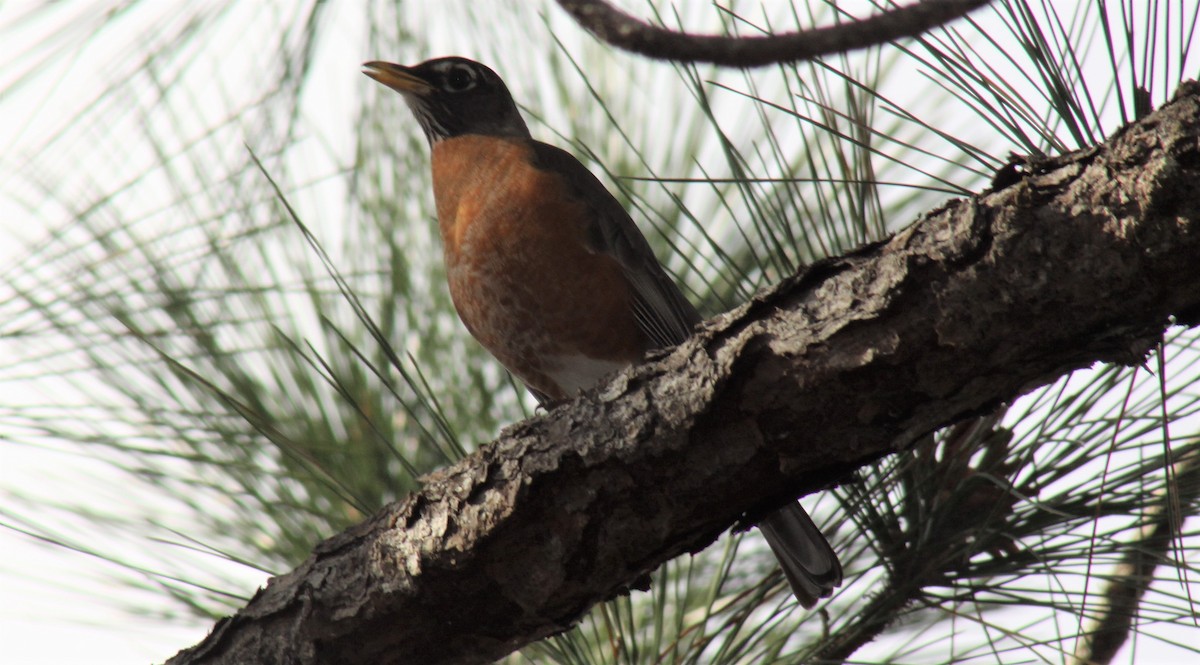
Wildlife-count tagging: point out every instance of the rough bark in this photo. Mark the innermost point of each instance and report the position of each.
(1066, 262)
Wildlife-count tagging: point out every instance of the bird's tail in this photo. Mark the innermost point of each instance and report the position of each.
(810, 564)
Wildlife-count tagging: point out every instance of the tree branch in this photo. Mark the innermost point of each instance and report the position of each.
(619, 29)
(1079, 259)
(1129, 581)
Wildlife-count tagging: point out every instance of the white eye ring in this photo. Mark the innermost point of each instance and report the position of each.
(459, 78)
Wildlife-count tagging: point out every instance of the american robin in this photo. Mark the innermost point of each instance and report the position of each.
(548, 271)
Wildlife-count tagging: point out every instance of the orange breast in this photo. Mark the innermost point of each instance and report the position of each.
(521, 276)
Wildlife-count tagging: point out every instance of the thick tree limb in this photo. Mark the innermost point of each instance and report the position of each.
(1079, 259)
(621, 30)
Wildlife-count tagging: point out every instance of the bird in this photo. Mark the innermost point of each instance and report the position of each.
(548, 271)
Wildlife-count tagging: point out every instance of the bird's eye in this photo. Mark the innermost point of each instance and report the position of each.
(460, 78)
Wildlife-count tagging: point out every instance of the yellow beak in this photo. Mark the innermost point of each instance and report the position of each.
(396, 77)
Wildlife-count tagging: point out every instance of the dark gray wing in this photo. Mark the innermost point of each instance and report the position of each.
(810, 564)
(660, 309)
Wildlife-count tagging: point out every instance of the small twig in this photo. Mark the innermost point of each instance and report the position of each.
(619, 29)
(1132, 577)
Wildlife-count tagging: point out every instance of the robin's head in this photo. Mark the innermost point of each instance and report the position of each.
(452, 97)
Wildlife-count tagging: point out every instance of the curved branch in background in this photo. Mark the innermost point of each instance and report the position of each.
(619, 29)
